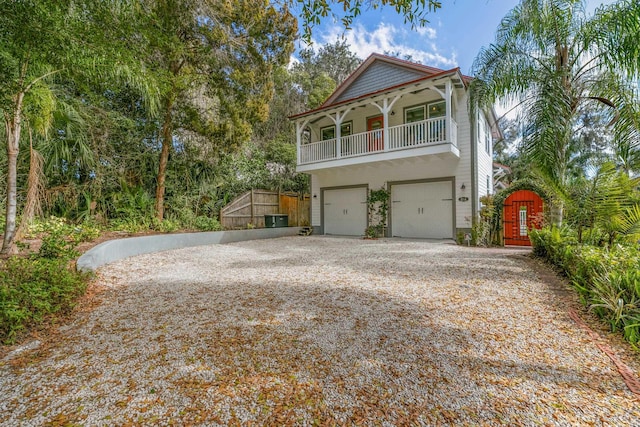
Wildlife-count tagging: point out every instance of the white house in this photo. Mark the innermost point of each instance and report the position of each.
(404, 127)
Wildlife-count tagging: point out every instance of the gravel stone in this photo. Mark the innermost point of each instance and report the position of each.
(320, 331)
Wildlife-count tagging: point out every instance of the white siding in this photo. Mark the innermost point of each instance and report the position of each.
(485, 160)
(315, 202)
(463, 170)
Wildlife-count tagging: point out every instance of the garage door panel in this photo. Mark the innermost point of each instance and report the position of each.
(345, 211)
(422, 210)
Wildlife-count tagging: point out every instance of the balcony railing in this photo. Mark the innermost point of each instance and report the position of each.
(410, 135)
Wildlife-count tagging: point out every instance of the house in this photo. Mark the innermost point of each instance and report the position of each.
(404, 127)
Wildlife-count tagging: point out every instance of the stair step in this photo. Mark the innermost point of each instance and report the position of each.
(305, 231)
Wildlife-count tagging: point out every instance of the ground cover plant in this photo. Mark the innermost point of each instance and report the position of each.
(606, 278)
(41, 285)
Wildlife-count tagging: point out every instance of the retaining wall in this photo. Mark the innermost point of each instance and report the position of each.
(117, 249)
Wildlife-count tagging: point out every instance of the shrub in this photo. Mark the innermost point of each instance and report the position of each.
(204, 223)
(58, 244)
(33, 289)
(607, 279)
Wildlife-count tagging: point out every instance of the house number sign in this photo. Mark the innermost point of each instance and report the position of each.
(463, 199)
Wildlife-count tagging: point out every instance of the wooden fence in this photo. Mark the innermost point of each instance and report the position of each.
(252, 206)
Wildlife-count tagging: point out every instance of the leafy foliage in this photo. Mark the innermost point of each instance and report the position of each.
(607, 279)
(556, 63)
(31, 290)
(377, 209)
(313, 11)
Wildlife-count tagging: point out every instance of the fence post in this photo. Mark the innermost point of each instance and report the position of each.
(253, 213)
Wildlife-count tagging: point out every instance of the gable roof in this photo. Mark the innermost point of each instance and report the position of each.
(380, 73)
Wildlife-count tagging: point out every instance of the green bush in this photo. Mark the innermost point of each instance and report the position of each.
(33, 289)
(59, 238)
(607, 279)
(205, 223)
(58, 244)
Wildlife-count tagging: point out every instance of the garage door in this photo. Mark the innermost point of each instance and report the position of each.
(422, 210)
(345, 211)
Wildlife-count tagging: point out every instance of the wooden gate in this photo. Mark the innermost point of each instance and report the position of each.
(522, 212)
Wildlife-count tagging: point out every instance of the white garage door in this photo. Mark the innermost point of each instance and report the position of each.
(422, 210)
(345, 211)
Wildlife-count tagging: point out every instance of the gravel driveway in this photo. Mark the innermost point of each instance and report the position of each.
(320, 330)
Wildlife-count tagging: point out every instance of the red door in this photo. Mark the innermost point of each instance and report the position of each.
(523, 210)
(375, 141)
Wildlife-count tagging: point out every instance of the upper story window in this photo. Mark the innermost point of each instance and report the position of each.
(484, 133)
(414, 114)
(437, 109)
(329, 132)
(487, 140)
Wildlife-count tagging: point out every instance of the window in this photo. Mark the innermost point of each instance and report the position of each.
(488, 185)
(415, 114)
(414, 134)
(436, 130)
(345, 128)
(437, 109)
(487, 140)
(329, 132)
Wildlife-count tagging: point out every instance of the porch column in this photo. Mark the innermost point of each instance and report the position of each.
(384, 109)
(336, 121)
(299, 129)
(447, 92)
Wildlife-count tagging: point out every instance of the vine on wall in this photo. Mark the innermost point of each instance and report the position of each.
(377, 207)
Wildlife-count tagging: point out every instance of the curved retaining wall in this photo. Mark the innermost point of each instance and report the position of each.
(117, 249)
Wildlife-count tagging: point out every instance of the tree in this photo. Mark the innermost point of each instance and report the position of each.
(42, 40)
(319, 72)
(555, 61)
(213, 61)
(32, 32)
(414, 11)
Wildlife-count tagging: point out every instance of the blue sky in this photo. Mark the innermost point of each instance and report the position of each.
(452, 38)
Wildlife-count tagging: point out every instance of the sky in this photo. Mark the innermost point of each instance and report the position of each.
(452, 38)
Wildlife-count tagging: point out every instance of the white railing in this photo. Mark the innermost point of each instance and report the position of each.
(362, 143)
(431, 131)
(318, 151)
(409, 135)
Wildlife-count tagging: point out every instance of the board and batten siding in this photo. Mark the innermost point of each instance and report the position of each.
(378, 76)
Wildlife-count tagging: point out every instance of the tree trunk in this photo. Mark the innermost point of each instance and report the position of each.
(167, 141)
(557, 213)
(32, 204)
(12, 127)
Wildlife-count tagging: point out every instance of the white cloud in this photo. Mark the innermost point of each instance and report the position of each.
(420, 45)
(427, 31)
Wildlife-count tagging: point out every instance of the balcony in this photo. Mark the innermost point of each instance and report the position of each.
(372, 146)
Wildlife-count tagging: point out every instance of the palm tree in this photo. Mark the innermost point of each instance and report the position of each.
(554, 60)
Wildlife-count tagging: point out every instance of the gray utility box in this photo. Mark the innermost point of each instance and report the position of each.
(276, 221)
